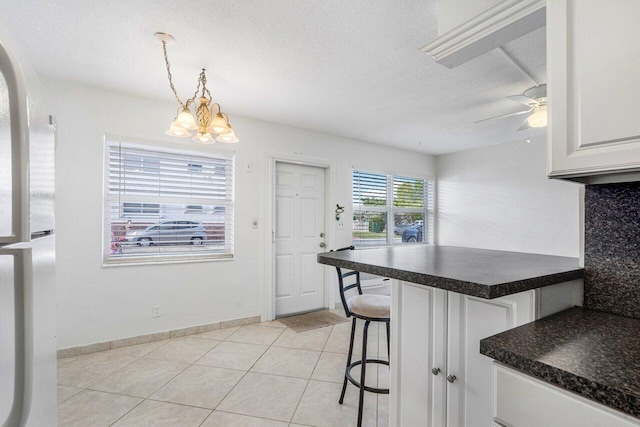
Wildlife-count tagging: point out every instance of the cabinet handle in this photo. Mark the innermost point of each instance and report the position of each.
(435, 371)
(451, 378)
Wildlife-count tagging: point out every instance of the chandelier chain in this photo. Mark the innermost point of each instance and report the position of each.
(195, 94)
(166, 60)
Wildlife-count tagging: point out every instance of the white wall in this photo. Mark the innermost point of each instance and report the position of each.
(499, 197)
(97, 304)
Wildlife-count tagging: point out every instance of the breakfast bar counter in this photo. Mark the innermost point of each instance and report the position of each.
(476, 272)
(444, 300)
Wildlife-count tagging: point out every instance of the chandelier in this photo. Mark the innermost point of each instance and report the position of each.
(209, 122)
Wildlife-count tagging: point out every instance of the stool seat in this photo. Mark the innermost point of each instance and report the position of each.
(370, 306)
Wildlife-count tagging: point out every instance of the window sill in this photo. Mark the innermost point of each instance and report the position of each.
(140, 261)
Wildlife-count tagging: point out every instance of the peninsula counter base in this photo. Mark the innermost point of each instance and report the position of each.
(438, 376)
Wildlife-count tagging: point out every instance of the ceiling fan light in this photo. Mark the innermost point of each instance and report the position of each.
(176, 130)
(186, 120)
(538, 119)
(228, 138)
(219, 125)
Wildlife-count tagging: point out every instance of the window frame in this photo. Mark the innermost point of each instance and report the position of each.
(428, 210)
(159, 258)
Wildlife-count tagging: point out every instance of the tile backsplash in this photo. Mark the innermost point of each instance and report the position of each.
(612, 248)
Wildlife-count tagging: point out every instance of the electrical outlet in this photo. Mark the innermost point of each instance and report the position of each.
(155, 311)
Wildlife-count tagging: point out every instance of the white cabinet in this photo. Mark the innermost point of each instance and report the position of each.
(436, 334)
(417, 397)
(470, 320)
(593, 58)
(524, 401)
(436, 329)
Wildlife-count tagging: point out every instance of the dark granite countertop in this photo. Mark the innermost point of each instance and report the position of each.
(478, 272)
(592, 353)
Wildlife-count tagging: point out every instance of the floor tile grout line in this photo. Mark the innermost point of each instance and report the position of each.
(117, 370)
(253, 416)
(248, 370)
(306, 386)
(169, 361)
(81, 390)
(125, 414)
(182, 371)
(309, 380)
(243, 376)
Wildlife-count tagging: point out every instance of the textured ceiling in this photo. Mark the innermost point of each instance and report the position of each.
(349, 68)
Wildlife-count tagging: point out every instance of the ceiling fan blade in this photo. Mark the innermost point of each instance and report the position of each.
(521, 99)
(506, 115)
(524, 125)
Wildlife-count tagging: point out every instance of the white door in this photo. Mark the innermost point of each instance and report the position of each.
(299, 234)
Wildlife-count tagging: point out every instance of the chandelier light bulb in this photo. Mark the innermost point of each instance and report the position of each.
(186, 120)
(204, 138)
(228, 138)
(219, 125)
(176, 130)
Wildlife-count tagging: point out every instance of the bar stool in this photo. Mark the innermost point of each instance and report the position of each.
(370, 308)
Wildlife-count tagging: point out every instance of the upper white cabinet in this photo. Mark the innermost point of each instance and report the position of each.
(593, 50)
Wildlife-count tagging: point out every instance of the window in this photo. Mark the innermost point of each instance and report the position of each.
(166, 205)
(390, 209)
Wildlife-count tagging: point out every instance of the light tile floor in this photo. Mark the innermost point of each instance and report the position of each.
(262, 375)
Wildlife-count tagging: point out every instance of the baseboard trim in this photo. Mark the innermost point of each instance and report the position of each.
(157, 336)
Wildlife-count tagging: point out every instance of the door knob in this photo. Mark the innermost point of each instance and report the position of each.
(435, 371)
(451, 378)
(321, 234)
(322, 244)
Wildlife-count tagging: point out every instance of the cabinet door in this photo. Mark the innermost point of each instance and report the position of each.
(417, 395)
(593, 57)
(470, 320)
(525, 401)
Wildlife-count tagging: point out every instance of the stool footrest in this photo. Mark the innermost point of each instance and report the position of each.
(366, 387)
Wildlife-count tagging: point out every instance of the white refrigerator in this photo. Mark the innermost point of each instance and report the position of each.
(28, 393)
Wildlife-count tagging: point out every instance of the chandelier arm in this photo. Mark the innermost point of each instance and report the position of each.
(166, 60)
(225, 117)
(215, 104)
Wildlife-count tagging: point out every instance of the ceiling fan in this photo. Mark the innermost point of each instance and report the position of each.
(536, 99)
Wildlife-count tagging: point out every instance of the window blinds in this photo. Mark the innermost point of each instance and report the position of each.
(384, 206)
(166, 203)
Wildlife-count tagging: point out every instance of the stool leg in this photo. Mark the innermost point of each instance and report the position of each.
(388, 342)
(363, 372)
(344, 385)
